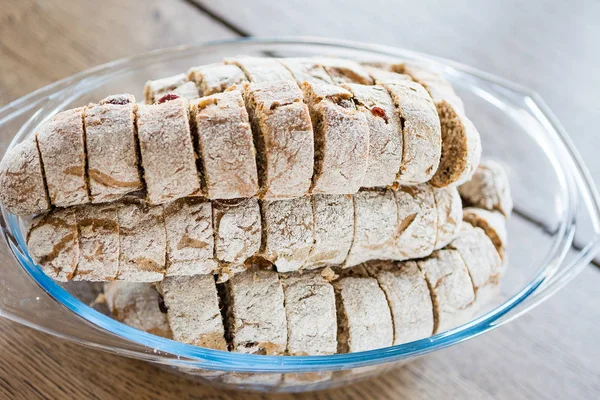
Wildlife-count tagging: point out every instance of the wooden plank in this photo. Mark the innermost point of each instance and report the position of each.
(45, 41)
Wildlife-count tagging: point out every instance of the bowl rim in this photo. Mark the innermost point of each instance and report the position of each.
(546, 282)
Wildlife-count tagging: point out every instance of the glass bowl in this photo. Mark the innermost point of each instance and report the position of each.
(554, 199)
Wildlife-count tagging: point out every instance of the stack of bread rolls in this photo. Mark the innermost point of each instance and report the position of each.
(297, 206)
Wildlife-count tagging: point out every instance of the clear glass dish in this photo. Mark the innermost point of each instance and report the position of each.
(554, 199)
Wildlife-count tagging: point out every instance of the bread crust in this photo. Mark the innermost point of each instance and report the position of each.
(22, 179)
(488, 189)
(479, 255)
(237, 226)
(112, 157)
(255, 313)
(62, 148)
(451, 288)
(287, 232)
(193, 310)
(226, 146)
(375, 223)
(142, 242)
(53, 243)
(341, 139)
(190, 239)
(449, 215)
(333, 229)
(284, 138)
(306, 70)
(385, 134)
(98, 231)
(216, 78)
(261, 69)
(364, 319)
(421, 131)
(493, 224)
(137, 305)
(311, 315)
(417, 222)
(178, 85)
(167, 151)
(345, 71)
(461, 144)
(408, 296)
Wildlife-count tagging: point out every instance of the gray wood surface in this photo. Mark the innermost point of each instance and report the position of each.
(551, 352)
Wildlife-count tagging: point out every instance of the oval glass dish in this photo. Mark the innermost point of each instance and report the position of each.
(554, 199)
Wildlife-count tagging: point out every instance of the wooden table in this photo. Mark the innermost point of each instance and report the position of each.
(552, 352)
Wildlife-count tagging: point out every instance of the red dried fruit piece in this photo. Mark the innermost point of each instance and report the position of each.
(167, 97)
(379, 112)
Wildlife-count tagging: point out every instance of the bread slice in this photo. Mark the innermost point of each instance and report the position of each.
(178, 85)
(98, 228)
(451, 288)
(333, 229)
(226, 146)
(112, 158)
(193, 310)
(61, 142)
(261, 69)
(167, 151)
(375, 222)
(255, 316)
(341, 139)
(237, 226)
(417, 222)
(284, 138)
(311, 315)
(53, 243)
(137, 305)
(481, 258)
(421, 131)
(488, 189)
(408, 296)
(382, 74)
(450, 215)
(363, 315)
(287, 227)
(385, 134)
(142, 242)
(306, 70)
(345, 71)
(190, 239)
(461, 148)
(22, 179)
(216, 78)
(493, 224)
